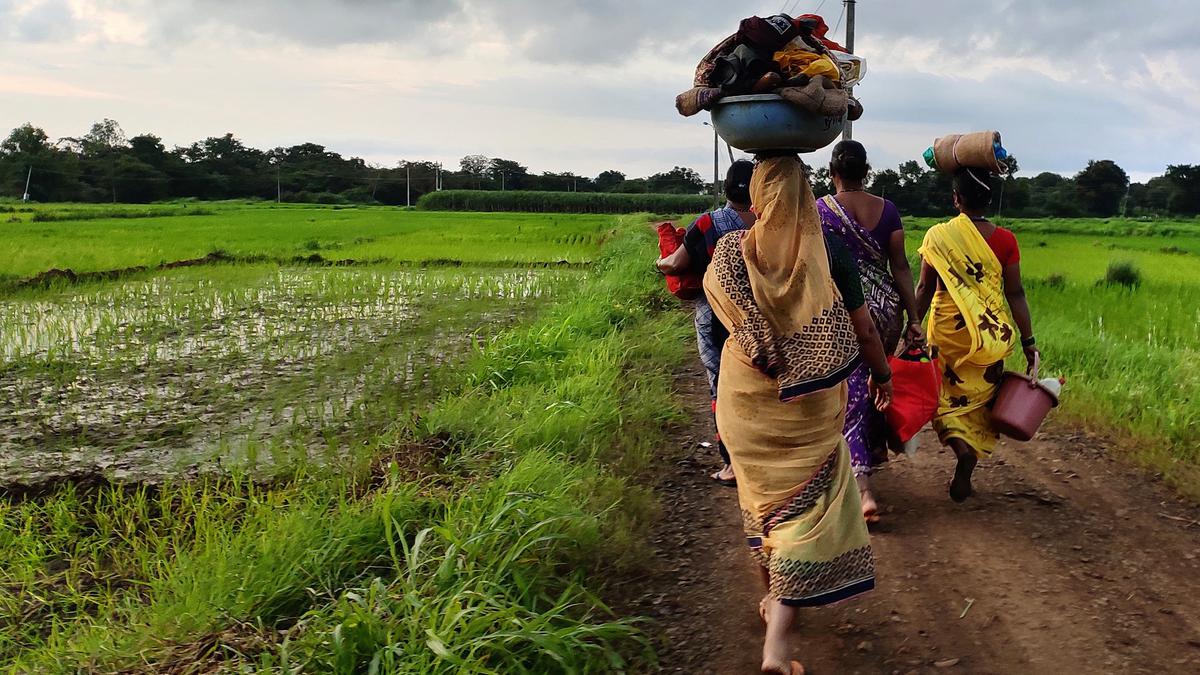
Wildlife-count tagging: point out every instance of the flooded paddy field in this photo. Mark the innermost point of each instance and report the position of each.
(141, 344)
(204, 368)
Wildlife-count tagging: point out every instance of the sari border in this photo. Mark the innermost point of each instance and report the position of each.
(792, 392)
(841, 594)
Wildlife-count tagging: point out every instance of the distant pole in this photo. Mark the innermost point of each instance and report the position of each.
(716, 166)
(716, 169)
(28, 176)
(848, 133)
(408, 184)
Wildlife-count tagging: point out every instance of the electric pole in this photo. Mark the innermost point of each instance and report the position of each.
(849, 131)
(28, 176)
(716, 166)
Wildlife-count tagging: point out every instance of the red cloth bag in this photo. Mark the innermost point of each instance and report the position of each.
(684, 286)
(916, 385)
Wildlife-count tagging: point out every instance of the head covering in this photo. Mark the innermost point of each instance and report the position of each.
(772, 287)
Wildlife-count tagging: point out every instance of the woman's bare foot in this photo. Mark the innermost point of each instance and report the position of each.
(960, 487)
(725, 476)
(779, 618)
(870, 509)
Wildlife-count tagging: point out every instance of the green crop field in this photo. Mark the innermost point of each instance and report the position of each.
(118, 237)
(373, 439)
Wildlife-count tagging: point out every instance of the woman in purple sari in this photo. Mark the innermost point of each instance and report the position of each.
(871, 229)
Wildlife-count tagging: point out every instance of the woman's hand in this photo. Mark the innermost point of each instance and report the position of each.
(880, 393)
(1032, 355)
(915, 335)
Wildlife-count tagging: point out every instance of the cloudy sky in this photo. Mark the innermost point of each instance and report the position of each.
(588, 85)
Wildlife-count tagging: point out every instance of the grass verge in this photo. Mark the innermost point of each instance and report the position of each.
(468, 549)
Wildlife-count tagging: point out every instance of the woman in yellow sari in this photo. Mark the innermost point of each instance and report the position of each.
(970, 267)
(797, 322)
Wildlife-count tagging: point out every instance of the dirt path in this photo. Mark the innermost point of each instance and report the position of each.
(1066, 561)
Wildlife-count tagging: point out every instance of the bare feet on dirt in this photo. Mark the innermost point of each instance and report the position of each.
(725, 476)
(870, 508)
(960, 486)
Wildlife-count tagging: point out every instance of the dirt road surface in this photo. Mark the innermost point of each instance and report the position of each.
(1065, 561)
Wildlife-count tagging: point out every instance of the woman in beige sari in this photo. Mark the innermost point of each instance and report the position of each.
(794, 308)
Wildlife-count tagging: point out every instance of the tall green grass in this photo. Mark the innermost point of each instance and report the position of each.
(466, 550)
(1129, 357)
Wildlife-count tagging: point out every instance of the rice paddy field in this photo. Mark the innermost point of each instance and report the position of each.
(264, 438)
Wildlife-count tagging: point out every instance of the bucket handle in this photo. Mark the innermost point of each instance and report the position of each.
(1034, 368)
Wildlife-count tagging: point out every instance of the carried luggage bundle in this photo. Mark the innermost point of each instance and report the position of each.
(778, 84)
(978, 150)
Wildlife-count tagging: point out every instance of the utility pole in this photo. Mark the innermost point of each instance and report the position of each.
(28, 177)
(716, 166)
(849, 131)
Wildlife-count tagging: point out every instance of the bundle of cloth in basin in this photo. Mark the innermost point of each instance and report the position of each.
(781, 55)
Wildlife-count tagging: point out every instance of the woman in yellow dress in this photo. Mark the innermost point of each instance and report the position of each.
(970, 268)
(793, 304)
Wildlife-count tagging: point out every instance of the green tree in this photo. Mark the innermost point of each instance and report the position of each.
(1184, 180)
(507, 173)
(1101, 187)
(475, 166)
(679, 180)
(608, 181)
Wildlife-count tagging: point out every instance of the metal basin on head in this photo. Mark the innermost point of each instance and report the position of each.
(766, 122)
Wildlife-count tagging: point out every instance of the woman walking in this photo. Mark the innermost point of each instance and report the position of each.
(797, 324)
(699, 241)
(871, 230)
(970, 267)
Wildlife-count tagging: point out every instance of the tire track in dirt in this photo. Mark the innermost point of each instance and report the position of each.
(1066, 560)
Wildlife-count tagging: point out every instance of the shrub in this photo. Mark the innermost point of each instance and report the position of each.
(1123, 273)
(561, 202)
(1056, 281)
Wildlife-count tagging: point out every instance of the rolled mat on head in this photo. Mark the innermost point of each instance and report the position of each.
(976, 150)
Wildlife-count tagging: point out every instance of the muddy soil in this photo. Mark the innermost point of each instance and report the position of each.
(120, 383)
(1066, 561)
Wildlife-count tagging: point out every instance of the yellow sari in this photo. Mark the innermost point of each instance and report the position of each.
(781, 397)
(971, 328)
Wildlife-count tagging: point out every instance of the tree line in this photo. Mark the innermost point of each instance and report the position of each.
(1101, 189)
(105, 165)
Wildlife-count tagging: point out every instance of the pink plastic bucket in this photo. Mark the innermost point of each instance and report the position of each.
(1022, 405)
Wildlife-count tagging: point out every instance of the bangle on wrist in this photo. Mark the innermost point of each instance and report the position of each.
(1028, 341)
(881, 379)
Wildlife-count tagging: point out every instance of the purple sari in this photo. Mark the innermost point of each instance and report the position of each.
(866, 429)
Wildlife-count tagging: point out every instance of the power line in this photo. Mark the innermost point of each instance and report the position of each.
(840, 17)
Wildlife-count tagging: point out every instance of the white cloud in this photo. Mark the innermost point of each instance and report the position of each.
(587, 85)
